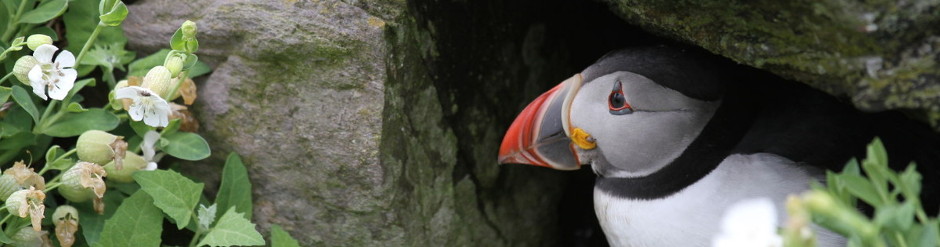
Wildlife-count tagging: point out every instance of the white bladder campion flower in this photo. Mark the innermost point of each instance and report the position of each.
(150, 153)
(146, 106)
(751, 223)
(58, 77)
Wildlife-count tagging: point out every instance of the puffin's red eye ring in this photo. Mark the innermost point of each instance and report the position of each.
(616, 101)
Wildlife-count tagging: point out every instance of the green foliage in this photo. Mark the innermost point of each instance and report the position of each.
(235, 190)
(176, 195)
(899, 218)
(185, 145)
(280, 238)
(127, 214)
(136, 223)
(76, 123)
(46, 11)
(232, 229)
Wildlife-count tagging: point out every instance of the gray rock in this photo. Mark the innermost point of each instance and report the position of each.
(881, 54)
(338, 115)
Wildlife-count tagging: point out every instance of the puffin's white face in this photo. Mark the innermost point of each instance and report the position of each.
(639, 126)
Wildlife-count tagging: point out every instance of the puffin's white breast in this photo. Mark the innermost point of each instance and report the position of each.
(692, 216)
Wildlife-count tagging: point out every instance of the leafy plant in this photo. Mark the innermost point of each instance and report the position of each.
(98, 148)
(898, 220)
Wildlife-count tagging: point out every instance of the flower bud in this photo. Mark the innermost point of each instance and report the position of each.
(101, 147)
(174, 63)
(65, 219)
(158, 80)
(85, 180)
(132, 163)
(189, 30)
(23, 66)
(28, 203)
(26, 237)
(35, 40)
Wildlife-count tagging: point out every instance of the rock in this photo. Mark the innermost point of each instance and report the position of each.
(366, 123)
(882, 55)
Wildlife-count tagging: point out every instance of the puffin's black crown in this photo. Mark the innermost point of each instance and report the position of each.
(692, 73)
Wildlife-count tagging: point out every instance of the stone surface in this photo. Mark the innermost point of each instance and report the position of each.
(376, 123)
(879, 54)
(298, 91)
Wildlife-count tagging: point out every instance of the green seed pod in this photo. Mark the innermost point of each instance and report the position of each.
(158, 80)
(8, 185)
(23, 66)
(15, 201)
(82, 182)
(132, 163)
(35, 40)
(100, 147)
(27, 237)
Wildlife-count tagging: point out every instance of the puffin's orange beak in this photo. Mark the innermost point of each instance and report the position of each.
(538, 135)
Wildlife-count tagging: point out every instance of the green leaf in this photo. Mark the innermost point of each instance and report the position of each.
(80, 21)
(5, 239)
(862, 188)
(92, 223)
(141, 66)
(876, 151)
(233, 229)
(910, 181)
(206, 216)
(22, 98)
(54, 152)
(73, 124)
(929, 236)
(199, 69)
(140, 128)
(171, 128)
(47, 10)
(177, 42)
(136, 223)
(185, 145)
(45, 31)
(176, 195)
(235, 190)
(5, 93)
(76, 107)
(78, 86)
(116, 16)
(281, 238)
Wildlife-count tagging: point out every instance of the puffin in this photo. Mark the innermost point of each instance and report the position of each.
(676, 136)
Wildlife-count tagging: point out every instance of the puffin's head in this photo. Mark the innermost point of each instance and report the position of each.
(629, 114)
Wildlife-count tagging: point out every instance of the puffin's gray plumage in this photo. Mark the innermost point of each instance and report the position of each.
(676, 137)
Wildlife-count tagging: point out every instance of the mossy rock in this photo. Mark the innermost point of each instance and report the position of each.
(879, 54)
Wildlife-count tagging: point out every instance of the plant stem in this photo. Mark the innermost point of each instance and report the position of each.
(177, 85)
(88, 43)
(194, 241)
(5, 77)
(48, 163)
(16, 17)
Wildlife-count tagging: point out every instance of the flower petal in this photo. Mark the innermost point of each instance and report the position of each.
(66, 82)
(150, 166)
(44, 53)
(36, 81)
(150, 139)
(127, 92)
(136, 111)
(65, 59)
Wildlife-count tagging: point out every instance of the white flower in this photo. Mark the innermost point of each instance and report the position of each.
(150, 153)
(147, 105)
(58, 77)
(751, 223)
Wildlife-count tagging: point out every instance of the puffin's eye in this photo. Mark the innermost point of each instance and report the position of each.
(616, 102)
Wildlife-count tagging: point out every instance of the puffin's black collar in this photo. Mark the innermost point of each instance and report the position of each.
(715, 142)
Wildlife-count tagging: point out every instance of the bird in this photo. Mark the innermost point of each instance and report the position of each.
(676, 135)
